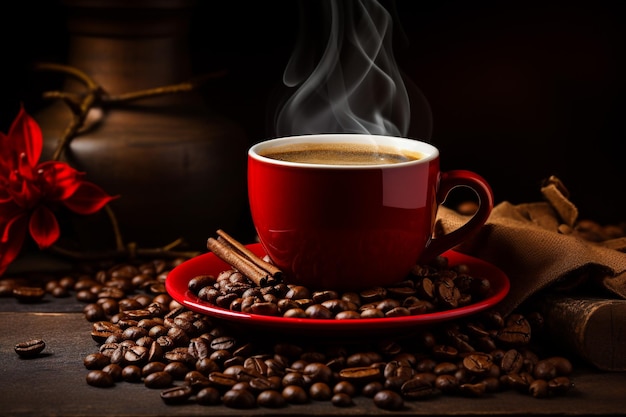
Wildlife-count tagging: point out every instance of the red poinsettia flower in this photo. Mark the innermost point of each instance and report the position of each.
(30, 191)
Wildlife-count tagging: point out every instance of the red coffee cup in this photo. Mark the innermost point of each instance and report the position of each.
(346, 225)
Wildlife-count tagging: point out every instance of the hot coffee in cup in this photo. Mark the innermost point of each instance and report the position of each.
(353, 211)
(340, 153)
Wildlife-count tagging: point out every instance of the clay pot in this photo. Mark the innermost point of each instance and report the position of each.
(178, 166)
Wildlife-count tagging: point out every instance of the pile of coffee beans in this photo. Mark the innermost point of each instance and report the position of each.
(146, 337)
(427, 289)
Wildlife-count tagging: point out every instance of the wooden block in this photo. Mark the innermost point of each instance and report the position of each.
(593, 328)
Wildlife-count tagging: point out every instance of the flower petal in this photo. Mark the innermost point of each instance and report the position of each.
(59, 179)
(88, 199)
(25, 137)
(44, 227)
(12, 239)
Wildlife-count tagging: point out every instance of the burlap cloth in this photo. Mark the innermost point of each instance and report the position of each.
(537, 247)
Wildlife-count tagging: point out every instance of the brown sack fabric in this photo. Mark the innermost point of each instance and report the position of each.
(537, 247)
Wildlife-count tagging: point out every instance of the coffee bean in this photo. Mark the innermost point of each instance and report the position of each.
(512, 361)
(341, 399)
(99, 378)
(30, 349)
(131, 373)
(160, 379)
(208, 396)
(417, 389)
(176, 395)
(241, 399)
(539, 388)
(96, 361)
(478, 363)
(360, 375)
(27, 294)
(114, 370)
(474, 390)
(388, 400)
(271, 399)
(560, 385)
(295, 394)
(544, 369)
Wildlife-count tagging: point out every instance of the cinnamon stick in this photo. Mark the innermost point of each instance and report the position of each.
(260, 272)
(261, 263)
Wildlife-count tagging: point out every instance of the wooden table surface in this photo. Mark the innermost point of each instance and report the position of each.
(53, 384)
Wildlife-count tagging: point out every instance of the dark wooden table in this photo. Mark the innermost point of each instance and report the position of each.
(53, 384)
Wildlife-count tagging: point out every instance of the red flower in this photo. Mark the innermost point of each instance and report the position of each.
(29, 191)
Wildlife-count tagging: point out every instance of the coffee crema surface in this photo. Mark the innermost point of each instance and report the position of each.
(340, 154)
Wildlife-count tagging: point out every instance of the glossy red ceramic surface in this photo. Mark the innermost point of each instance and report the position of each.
(353, 227)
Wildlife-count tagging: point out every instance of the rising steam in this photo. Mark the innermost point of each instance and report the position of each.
(354, 85)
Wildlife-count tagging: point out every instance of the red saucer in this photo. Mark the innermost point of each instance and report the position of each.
(178, 279)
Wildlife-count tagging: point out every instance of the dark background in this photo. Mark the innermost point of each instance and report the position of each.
(518, 91)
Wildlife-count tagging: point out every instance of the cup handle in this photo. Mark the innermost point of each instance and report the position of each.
(448, 181)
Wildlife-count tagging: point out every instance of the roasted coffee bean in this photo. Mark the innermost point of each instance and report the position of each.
(520, 381)
(345, 387)
(196, 380)
(295, 394)
(178, 370)
(539, 388)
(544, 369)
(317, 372)
(372, 313)
(447, 293)
(360, 375)
(223, 343)
(560, 385)
(26, 294)
(445, 352)
(512, 361)
(478, 363)
(30, 349)
(263, 383)
(341, 399)
(176, 395)
(516, 331)
(96, 361)
(388, 400)
(101, 330)
(198, 282)
(114, 370)
(477, 389)
(136, 355)
(447, 384)
(94, 312)
(318, 311)
(563, 365)
(417, 389)
(241, 399)
(208, 396)
(160, 379)
(265, 308)
(351, 315)
(271, 399)
(199, 348)
(445, 368)
(151, 368)
(99, 378)
(255, 366)
(131, 373)
(221, 380)
(320, 391)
